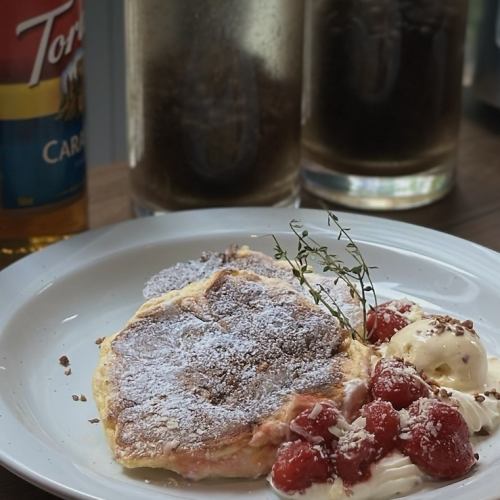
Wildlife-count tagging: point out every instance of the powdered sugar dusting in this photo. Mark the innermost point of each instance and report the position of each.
(184, 273)
(212, 365)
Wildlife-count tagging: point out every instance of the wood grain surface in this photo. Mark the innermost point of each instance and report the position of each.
(471, 211)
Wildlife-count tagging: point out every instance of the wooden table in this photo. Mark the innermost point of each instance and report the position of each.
(471, 211)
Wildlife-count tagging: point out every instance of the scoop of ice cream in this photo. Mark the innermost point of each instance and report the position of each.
(445, 349)
(493, 374)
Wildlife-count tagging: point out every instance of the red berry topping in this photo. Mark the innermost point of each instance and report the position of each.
(399, 383)
(382, 420)
(385, 320)
(437, 440)
(356, 451)
(298, 465)
(313, 424)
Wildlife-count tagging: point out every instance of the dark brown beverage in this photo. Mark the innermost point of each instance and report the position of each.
(214, 102)
(384, 85)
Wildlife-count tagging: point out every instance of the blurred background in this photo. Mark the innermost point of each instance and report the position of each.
(105, 70)
(105, 83)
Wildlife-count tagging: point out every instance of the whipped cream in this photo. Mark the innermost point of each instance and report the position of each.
(393, 475)
(318, 491)
(480, 411)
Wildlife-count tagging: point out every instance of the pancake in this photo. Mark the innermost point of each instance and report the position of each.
(184, 273)
(204, 380)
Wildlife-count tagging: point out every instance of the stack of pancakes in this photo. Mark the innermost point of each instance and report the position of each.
(205, 377)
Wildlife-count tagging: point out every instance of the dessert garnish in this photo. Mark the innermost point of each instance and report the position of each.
(356, 277)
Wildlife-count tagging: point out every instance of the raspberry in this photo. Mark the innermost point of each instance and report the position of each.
(382, 420)
(355, 452)
(298, 465)
(437, 440)
(313, 424)
(385, 320)
(399, 383)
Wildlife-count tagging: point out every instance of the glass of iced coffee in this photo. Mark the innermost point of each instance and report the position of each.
(382, 100)
(214, 102)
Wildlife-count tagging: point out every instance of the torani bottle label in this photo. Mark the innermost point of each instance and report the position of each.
(41, 102)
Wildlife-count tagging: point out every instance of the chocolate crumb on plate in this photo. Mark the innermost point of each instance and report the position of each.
(94, 420)
(64, 361)
(67, 371)
(75, 397)
(83, 397)
(100, 340)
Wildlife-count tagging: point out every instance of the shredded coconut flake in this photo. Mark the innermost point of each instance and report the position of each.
(315, 411)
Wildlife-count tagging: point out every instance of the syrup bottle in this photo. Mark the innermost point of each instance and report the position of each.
(42, 158)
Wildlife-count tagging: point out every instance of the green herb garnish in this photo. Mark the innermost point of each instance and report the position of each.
(357, 278)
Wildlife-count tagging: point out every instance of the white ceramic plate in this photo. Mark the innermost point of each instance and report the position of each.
(59, 301)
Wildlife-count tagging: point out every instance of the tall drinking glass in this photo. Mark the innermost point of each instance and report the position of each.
(214, 102)
(382, 100)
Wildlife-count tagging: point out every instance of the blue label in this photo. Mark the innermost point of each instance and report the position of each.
(42, 161)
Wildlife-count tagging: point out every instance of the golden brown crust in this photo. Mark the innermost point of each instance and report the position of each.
(243, 258)
(233, 435)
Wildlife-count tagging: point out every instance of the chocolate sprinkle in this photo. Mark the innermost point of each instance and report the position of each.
(64, 361)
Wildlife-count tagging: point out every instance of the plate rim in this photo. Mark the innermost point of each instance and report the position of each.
(48, 259)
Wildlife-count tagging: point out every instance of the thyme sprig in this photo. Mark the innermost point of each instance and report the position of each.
(356, 277)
